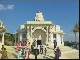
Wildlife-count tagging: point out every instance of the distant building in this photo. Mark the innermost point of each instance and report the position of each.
(40, 30)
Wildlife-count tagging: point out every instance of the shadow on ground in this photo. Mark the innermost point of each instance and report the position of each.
(14, 48)
(15, 56)
(73, 47)
(50, 48)
(48, 57)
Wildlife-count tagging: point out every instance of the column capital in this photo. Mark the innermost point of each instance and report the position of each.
(27, 26)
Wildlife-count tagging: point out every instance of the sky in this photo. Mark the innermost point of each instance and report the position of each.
(63, 13)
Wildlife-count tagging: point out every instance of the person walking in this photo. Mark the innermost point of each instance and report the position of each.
(4, 54)
(27, 53)
(58, 52)
(55, 44)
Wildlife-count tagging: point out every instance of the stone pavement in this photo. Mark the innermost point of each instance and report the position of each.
(66, 53)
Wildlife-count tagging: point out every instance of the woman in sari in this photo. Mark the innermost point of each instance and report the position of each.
(27, 53)
(58, 52)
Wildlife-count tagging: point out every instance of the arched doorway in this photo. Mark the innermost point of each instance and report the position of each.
(39, 35)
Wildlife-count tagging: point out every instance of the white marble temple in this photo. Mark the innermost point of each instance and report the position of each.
(41, 30)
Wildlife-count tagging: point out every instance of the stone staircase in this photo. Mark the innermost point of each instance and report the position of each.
(50, 52)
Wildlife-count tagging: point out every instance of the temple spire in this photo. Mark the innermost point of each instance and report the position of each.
(39, 16)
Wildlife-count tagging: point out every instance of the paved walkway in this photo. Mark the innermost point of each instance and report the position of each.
(66, 53)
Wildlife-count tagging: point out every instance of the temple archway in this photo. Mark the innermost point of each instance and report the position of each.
(39, 34)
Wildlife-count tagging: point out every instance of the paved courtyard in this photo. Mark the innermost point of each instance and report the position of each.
(66, 53)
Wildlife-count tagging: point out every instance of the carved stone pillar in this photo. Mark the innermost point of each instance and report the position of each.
(3, 38)
(50, 37)
(20, 36)
(28, 36)
(47, 40)
(61, 38)
(31, 40)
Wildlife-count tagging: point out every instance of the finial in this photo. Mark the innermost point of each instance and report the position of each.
(39, 10)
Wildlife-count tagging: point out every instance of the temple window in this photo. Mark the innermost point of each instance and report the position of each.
(24, 35)
(54, 35)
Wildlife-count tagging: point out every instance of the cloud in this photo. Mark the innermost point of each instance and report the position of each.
(71, 37)
(2, 7)
(10, 7)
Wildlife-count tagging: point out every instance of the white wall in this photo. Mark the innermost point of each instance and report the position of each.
(58, 38)
(52, 39)
(23, 39)
(20, 37)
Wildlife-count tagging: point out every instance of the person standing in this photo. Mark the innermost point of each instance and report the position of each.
(58, 52)
(23, 50)
(2, 47)
(41, 48)
(27, 53)
(55, 44)
(19, 52)
(18, 46)
(4, 54)
(35, 43)
(24, 43)
(36, 54)
(45, 51)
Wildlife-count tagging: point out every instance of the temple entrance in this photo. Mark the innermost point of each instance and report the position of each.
(39, 34)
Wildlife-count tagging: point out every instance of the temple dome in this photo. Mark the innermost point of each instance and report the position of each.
(39, 16)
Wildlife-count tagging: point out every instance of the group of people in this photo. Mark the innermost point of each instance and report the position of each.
(23, 50)
(4, 53)
(35, 46)
(57, 51)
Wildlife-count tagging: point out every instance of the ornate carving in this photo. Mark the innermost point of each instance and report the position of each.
(27, 27)
(51, 27)
(45, 28)
(32, 28)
